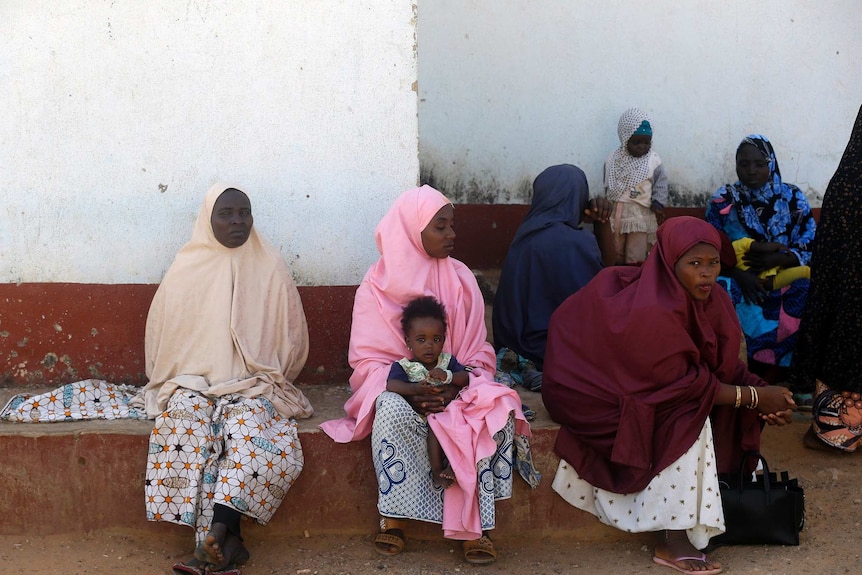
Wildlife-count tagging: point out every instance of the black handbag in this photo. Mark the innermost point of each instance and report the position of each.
(769, 510)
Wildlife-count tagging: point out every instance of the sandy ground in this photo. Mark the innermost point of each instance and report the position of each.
(830, 541)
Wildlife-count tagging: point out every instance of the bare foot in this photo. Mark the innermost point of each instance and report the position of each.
(675, 546)
(235, 553)
(210, 551)
(443, 477)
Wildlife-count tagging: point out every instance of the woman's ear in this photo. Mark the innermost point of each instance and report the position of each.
(405, 342)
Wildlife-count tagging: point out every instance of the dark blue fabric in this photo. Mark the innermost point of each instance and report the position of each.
(397, 372)
(550, 259)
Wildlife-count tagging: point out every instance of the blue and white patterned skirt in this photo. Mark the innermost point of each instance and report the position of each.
(399, 446)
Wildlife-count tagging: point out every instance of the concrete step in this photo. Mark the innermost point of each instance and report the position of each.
(83, 476)
(77, 478)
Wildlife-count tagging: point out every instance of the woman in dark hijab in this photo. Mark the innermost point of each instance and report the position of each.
(828, 358)
(640, 387)
(550, 258)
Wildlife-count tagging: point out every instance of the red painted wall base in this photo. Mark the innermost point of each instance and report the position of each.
(54, 333)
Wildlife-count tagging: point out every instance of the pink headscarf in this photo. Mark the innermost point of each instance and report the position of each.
(403, 272)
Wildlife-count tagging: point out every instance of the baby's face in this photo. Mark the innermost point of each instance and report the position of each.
(426, 338)
(638, 146)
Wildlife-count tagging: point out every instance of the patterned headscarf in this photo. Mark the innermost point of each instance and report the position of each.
(775, 212)
(630, 122)
(622, 170)
(764, 146)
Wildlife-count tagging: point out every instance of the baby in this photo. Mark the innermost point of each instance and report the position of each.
(428, 371)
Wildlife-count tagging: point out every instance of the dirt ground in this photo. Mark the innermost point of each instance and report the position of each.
(830, 541)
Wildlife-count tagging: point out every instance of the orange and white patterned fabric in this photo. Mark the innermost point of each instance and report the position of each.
(231, 450)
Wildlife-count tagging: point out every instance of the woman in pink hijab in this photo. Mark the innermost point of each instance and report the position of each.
(481, 426)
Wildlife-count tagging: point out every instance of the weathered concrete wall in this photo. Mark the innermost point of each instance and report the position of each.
(117, 117)
(509, 87)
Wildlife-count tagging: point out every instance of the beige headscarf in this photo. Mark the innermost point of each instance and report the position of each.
(226, 321)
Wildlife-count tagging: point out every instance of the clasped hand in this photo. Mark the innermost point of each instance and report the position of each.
(769, 255)
(776, 405)
(431, 399)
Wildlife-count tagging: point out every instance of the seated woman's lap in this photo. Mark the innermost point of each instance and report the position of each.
(770, 327)
(232, 450)
(400, 452)
(683, 496)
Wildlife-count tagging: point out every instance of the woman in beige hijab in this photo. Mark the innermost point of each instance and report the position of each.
(226, 336)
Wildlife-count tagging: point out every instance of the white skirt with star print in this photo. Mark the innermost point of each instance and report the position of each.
(684, 496)
(231, 450)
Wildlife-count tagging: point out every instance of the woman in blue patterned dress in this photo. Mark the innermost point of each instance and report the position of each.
(762, 207)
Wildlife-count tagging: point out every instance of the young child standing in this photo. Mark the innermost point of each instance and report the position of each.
(636, 183)
(423, 322)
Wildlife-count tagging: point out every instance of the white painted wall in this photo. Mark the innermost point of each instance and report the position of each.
(117, 117)
(509, 87)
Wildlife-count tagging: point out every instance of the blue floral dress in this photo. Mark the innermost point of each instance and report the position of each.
(776, 212)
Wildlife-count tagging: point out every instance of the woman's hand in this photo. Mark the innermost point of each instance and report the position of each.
(775, 405)
(774, 256)
(750, 285)
(598, 211)
(430, 399)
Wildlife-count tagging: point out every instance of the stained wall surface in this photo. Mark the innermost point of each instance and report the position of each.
(509, 87)
(118, 116)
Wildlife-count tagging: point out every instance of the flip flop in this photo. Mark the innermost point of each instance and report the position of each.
(480, 551)
(672, 564)
(181, 568)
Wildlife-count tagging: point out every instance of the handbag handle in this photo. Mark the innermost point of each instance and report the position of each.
(745, 457)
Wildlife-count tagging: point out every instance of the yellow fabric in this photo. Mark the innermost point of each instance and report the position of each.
(787, 276)
(226, 321)
(741, 247)
(783, 277)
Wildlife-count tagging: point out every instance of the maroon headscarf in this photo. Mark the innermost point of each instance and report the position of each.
(634, 363)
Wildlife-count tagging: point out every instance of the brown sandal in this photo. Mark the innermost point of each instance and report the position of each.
(480, 551)
(390, 540)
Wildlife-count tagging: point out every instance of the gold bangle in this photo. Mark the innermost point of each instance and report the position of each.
(754, 399)
(738, 397)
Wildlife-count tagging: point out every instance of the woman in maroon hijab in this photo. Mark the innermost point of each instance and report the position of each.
(639, 392)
